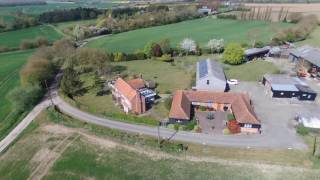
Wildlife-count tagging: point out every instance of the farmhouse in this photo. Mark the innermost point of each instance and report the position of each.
(132, 96)
(307, 61)
(253, 53)
(284, 86)
(186, 103)
(210, 76)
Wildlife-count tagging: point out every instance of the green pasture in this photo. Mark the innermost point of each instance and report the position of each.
(200, 30)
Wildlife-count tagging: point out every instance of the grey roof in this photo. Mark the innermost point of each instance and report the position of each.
(280, 79)
(209, 67)
(282, 82)
(308, 53)
(284, 87)
(253, 51)
(306, 89)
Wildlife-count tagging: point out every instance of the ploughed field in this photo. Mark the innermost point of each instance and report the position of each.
(10, 65)
(200, 30)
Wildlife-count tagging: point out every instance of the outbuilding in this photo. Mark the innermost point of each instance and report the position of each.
(284, 86)
(210, 76)
(256, 53)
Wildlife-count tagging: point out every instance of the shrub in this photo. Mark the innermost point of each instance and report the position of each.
(168, 103)
(119, 56)
(226, 131)
(139, 54)
(202, 108)
(302, 130)
(233, 54)
(231, 117)
(28, 44)
(4, 49)
(226, 16)
(166, 58)
(190, 126)
(42, 41)
(176, 127)
(24, 98)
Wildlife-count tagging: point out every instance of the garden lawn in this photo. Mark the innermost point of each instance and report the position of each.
(13, 39)
(168, 77)
(10, 65)
(252, 71)
(201, 30)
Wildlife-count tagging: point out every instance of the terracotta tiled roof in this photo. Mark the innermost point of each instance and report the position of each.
(137, 83)
(125, 89)
(240, 104)
(137, 101)
(180, 108)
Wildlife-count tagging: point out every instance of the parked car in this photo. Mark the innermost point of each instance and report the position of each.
(233, 82)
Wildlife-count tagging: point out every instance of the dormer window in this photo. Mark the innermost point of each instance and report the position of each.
(208, 82)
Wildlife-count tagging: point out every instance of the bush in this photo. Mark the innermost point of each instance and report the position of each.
(202, 108)
(226, 131)
(190, 126)
(226, 16)
(233, 54)
(231, 117)
(4, 49)
(119, 56)
(42, 41)
(302, 130)
(132, 119)
(176, 127)
(24, 98)
(168, 103)
(166, 58)
(140, 55)
(28, 44)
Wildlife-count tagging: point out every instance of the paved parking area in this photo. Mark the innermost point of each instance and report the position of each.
(212, 126)
(276, 116)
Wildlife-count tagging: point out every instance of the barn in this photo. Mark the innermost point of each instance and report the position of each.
(210, 76)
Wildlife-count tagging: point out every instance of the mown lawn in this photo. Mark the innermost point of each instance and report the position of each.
(200, 30)
(13, 39)
(10, 64)
(251, 71)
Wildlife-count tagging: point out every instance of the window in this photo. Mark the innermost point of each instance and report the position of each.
(309, 96)
(293, 94)
(248, 125)
(208, 82)
(282, 93)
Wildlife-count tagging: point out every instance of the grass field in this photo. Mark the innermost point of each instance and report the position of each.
(10, 64)
(200, 30)
(13, 38)
(56, 151)
(8, 12)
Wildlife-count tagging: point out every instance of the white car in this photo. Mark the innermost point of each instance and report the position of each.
(233, 82)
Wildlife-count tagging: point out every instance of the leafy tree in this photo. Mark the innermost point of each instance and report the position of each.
(188, 45)
(216, 45)
(36, 71)
(165, 46)
(70, 83)
(156, 50)
(78, 32)
(148, 49)
(233, 54)
(24, 98)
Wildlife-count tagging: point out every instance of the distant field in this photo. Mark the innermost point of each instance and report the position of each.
(200, 30)
(13, 38)
(313, 8)
(8, 12)
(10, 64)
